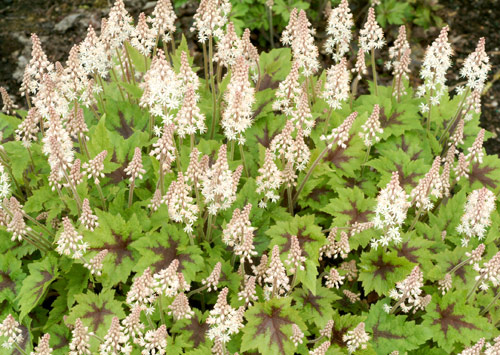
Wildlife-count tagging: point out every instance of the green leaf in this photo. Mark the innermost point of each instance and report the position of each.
(454, 323)
(41, 275)
(96, 310)
(315, 308)
(269, 327)
(157, 250)
(18, 157)
(380, 270)
(116, 235)
(8, 124)
(11, 276)
(391, 332)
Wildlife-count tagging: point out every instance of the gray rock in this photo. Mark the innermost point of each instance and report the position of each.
(67, 22)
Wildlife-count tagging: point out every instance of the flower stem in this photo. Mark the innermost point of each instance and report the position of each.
(101, 195)
(290, 201)
(242, 153)
(484, 311)
(212, 84)
(160, 309)
(473, 289)
(131, 193)
(205, 64)
(308, 175)
(374, 71)
(209, 227)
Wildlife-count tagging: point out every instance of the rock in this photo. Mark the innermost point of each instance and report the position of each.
(67, 22)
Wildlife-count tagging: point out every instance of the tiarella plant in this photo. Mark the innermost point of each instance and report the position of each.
(263, 206)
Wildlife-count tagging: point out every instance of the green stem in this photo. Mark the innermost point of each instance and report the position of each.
(16, 345)
(242, 153)
(374, 71)
(212, 83)
(209, 227)
(131, 193)
(38, 224)
(415, 220)
(327, 122)
(452, 271)
(162, 185)
(484, 311)
(308, 175)
(367, 155)
(132, 71)
(198, 290)
(124, 74)
(473, 289)
(205, 64)
(101, 195)
(160, 309)
(231, 151)
(457, 114)
(117, 83)
(290, 201)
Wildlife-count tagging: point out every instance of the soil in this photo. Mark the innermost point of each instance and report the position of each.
(60, 24)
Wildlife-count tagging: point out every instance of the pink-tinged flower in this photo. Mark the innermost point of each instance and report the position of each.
(239, 98)
(300, 35)
(371, 35)
(356, 338)
(476, 219)
(163, 20)
(436, 63)
(210, 18)
(339, 29)
(337, 86)
(390, 213)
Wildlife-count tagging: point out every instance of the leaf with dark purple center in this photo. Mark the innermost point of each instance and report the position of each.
(380, 270)
(158, 249)
(269, 327)
(453, 322)
(96, 310)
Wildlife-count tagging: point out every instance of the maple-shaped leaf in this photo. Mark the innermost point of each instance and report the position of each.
(315, 308)
(8, 124)
(116, 235)
(416, 250)
(350, 207)
(41, 274)
(44, 199)
(485, 174)
(394, 119)
(19, 158)
(379, 270)
(410, 144)
(444, 261)
(341, 325)
(310, 240)
(17, 248)
(11, 276)
(275, 66)
(410, 171)
(446, 218)
(453, 323)
(96, 310)
(269, 327)
(60, 338)
(390, 332)
(158, 249)
(191, 333)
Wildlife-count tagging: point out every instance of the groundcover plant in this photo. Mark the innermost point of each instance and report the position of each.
(267, 208)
